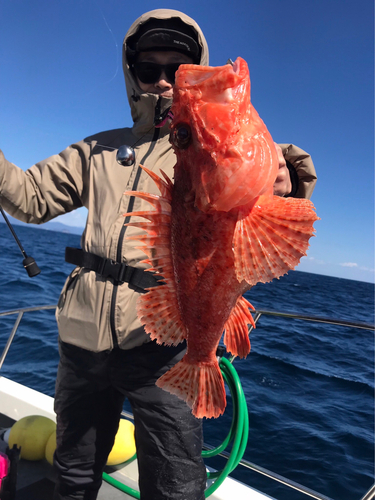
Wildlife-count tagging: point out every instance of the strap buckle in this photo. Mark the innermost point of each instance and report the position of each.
(108, 268)
(125, 273)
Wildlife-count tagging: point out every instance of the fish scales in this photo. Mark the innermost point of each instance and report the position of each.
(215, 231)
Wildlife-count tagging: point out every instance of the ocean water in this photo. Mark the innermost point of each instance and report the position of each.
(309, 386)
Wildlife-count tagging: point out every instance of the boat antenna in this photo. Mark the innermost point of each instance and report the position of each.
(28, 262)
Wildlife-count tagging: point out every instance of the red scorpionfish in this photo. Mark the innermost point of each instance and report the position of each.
(216, 231)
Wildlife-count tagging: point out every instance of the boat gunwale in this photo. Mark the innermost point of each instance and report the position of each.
(369, 495)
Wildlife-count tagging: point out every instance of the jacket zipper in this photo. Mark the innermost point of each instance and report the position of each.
(127, 219)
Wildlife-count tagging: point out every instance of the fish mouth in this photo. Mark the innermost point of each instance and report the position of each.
(192, 75)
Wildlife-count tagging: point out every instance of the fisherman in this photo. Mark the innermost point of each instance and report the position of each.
(105, 354)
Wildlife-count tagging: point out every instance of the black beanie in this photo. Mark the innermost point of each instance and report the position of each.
(164, 34)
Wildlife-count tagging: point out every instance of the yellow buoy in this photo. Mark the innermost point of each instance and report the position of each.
(124, 445)
(31, 434)
(50, 447)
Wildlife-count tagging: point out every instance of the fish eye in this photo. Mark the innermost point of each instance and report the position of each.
(182, 136)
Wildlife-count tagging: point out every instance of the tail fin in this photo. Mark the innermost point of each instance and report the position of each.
(201, 386)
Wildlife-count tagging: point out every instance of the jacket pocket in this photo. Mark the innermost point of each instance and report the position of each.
(83, 311)
(68, 286)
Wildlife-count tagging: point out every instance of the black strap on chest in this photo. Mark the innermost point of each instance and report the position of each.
(138, 279)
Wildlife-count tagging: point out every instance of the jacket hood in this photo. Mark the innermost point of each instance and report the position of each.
(142, 105)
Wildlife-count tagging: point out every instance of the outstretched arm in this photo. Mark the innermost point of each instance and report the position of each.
(50, 188)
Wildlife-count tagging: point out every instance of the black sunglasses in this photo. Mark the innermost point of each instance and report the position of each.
(150, 72)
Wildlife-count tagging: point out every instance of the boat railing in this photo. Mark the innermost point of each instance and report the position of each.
(369, 495)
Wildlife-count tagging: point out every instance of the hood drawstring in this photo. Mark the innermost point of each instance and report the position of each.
(125, 154)
(161, 118)
(135, 97)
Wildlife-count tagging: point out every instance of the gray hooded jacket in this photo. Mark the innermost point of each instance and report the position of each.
(93, 312)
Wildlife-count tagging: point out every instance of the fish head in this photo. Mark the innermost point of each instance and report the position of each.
(220, 141)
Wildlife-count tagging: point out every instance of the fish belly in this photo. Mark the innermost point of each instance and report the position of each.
(207, 291)
(206, 283)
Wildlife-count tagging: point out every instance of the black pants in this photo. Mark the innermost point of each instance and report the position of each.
(90, 391)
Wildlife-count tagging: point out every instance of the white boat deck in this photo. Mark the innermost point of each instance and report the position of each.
(18, 401)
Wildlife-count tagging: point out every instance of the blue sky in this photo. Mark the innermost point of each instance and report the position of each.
(311, 67)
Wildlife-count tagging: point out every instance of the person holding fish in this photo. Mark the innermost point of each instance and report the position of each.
(115, 340)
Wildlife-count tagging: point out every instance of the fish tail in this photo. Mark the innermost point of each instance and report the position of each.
(201, 386)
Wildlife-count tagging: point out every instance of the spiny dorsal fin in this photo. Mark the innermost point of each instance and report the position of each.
(158, 309)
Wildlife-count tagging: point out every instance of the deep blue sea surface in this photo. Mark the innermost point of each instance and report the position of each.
(309, 386)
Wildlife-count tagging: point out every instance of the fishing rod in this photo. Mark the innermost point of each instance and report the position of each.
(28, 262)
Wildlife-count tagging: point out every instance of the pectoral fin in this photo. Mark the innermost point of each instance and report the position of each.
(272, 237)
